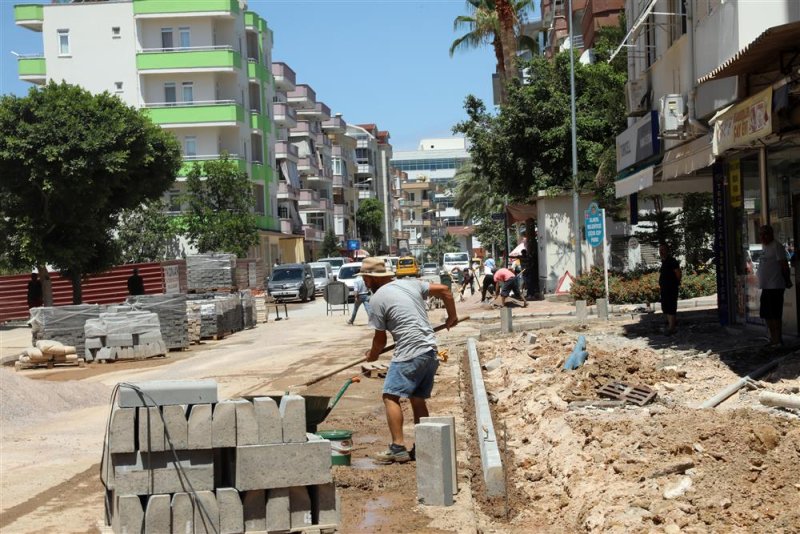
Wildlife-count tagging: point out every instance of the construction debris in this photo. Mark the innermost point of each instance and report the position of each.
(638, 395)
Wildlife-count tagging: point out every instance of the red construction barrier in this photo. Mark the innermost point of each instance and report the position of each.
(110, 287)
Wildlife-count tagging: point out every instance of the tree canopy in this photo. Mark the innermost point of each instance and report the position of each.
(330, 245)
(147, 233)
(369, 218)
(220, 208)
(70, 162)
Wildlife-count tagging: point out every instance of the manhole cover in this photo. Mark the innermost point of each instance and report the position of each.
(639, 395)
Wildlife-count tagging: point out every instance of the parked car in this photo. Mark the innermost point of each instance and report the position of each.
(323, 275)
(455, 260)
(292, 281)
(430, 268)
(347, 274)
(336, 264)
(407, 266)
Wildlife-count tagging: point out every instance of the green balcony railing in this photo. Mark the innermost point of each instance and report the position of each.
(196, 112)
(156, 7)
(257, 71)
(188, 162)
(199, 58)
(31, 67)
(28, 13)
(259, 121)
(252, 20)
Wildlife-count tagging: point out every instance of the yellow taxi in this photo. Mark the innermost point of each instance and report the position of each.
(407, 266)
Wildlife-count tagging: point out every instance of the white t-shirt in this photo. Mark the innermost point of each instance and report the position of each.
(770, 271)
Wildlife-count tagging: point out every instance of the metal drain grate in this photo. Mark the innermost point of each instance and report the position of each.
(639, 395)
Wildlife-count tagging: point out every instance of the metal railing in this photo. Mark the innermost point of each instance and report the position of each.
(190, 103)
(185, 49)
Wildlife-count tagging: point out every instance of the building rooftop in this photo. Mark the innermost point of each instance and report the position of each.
(403, 155)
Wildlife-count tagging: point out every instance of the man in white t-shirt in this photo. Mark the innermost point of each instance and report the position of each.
(773, 273)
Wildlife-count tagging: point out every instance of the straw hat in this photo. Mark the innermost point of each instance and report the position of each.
(374, 267)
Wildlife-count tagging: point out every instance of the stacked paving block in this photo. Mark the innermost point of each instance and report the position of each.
(48, 353)
(123, 334)
(207, 272)
(248, 303)
(250, 463)
(193, 321)
(64, 324)
(220, 314)
(171, 311)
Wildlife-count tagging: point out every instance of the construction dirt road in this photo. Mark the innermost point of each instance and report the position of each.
(664, 467)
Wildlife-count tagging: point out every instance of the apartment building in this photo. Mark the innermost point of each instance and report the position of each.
(200, 69)
(344, 166)
(419, 207)
(714, 104)
(437, 161)
(588, 16)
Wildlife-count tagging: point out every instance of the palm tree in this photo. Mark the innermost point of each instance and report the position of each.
(474, 196)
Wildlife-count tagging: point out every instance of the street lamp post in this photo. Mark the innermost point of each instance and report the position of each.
(575, 197)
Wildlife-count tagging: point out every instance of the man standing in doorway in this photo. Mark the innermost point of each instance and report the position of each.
(773, 279)
(34, 291)
(398, 306)
(135, 283)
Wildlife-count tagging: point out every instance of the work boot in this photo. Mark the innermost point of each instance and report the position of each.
(395, 453)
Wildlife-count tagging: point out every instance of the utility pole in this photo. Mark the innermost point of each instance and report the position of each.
(576, 221)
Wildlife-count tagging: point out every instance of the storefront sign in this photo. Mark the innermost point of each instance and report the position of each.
(172, 283)
(720, 246)
(735, 183)
(744, 123)
(638, 142)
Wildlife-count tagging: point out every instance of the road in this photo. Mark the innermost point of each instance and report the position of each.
(49, 467)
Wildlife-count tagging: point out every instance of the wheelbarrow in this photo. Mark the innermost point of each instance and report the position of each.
(319, 406)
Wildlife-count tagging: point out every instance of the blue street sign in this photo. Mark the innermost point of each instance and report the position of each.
(353, 244)
(593, 220)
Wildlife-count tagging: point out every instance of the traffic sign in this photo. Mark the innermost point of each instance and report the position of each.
(593, 220)
(353, 244)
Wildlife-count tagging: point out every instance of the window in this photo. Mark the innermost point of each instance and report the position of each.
(118, 87)
(185, 37)
(115, 32)
(63, 42)
(190, 146)
(166, 39)
(170, 96)
(258, 193)
(188, 91)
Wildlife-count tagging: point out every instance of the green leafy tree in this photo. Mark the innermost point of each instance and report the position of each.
(147, 233)
(70, 162)
(447, 243)
(220, 213)
(330, 245)
(697, 222)
(369, 218)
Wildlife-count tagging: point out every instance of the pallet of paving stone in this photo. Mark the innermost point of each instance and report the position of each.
(124, 335)
(206, 271)
(63, 323)
(171, 311)
(193, 321)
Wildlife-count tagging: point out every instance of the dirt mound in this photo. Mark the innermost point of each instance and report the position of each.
(22, 397)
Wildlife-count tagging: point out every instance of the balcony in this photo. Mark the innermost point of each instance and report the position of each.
(308, 165)
(400, 234)
(320, 112)
(335, 125)
(199, 113)
(288, 227)
(416, 222)
(323, 141)
(191, 8)
(29, 16)
(259, 122)
(253, 22)
(309, 198)
(257, 72)
(313, 233)
(285, 78)
(366, 169)
(204, 58)
(302, 96)
(284, 116)
(302, 129)
(189, 161)
(284, 150)
(286, 191)
(32, 69)
(341, 181)
(415, 203)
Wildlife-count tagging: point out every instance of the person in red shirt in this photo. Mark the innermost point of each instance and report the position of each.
(506, 280)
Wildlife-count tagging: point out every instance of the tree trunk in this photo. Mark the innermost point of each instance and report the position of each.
(77, 291)
(508, 37)
(47, 285)
(501, 73)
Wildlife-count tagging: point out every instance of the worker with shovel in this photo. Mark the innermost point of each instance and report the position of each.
(398, 306)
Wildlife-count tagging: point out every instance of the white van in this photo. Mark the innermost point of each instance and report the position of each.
(452, 260)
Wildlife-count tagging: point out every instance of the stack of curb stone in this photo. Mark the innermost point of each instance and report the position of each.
(171, 311)
(64, 324)
(220, 314)
(250, 464)
(206, 272)
(193, 319)
(123, 335)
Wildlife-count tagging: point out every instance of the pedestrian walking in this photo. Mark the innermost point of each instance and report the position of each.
(488, 279)
(773, 279)
(669, 281)
(135, 283)
(508, 282)
(361, 297)
(35, 293)
(398, 306)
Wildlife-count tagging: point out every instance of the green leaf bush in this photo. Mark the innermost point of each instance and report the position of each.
(638, 287)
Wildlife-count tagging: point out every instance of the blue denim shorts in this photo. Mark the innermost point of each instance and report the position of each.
(412, 378)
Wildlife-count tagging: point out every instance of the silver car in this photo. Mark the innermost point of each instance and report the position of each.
(322, 275)
(430, 268)
(292, 281)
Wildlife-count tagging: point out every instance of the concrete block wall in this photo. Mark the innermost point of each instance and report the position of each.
(250, 463)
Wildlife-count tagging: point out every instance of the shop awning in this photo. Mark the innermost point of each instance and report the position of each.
(633, 33)
(687, 158)
(635, 182)
(519, 213)
(765, 52)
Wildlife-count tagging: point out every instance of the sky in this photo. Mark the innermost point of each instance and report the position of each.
(375, 61)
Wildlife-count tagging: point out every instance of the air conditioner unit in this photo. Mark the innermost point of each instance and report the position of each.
(671, 115)
(637, 93)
